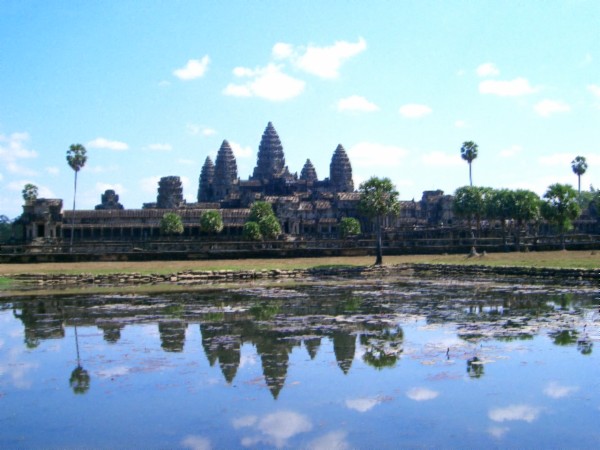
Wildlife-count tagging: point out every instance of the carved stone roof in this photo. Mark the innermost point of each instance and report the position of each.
(340, 171)
(207, 176)
(308, 172)
(225, 170)
(170, 193)
(271, 161)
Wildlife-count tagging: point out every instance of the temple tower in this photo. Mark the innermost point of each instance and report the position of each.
(308, 172)
(170, 193)
(225, 178)
(271, 162)
(205, 184)
(340, 171)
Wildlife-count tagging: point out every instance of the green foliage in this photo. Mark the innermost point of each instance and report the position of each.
(470, 202)
(560, 206)
(211, 222)
(579, 166)
(171, 224)
(526, 205)
(261, 213)
(468, 152)
(5, 228)
(378, 198)
(29, 192)
(349, 226)
(252, 231)
(76, 157)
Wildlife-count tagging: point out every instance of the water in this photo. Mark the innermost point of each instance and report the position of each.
(383, 364)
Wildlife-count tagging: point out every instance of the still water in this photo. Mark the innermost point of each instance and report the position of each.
(386, 364)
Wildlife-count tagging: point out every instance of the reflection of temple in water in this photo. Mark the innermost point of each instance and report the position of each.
(275, 326)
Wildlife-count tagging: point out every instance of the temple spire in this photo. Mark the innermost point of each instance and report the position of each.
(205, 184)
(225, 177)
(340, 171)
(308, 172)
(271, 161)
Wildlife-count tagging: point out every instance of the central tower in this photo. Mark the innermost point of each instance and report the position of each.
(271, 162)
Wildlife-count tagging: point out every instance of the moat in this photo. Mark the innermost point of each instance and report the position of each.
(385, 363)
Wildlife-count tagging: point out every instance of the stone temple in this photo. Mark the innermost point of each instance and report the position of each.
(305, 205)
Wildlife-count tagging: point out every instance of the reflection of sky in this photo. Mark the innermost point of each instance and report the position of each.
(421, 394)
(273, 429)
(16, 368)
(526, 413)
(362, 404)
(555, 390)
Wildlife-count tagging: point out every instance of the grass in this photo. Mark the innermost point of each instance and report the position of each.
(557, 259)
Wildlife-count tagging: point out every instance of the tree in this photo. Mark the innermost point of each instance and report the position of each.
(29, 192)
(468, 152)
(171, 224)
(252, 231)
(560, 208)
(579, 166)
(525, 209)
(378, 198)
(211, 222)
(349, 226)
(76, 158)
(262, 214)
(5, 228)
(499, 205)
(470, 203)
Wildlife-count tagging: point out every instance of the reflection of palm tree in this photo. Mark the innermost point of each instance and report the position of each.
(475, 367)
(584, 346)
(80, 378)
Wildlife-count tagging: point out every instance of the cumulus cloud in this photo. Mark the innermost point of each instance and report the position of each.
(194, 442)
(594, 89)
(512, 88)
(324, 62)
(102, 143)
(555, 390)
(438, 158)
(160, 147)
(547, 107)
(240, 151)
(149, 184)
(273, 429)
(414, 111)
(362, 404)
(511, 151)
(195, 68)
(52, 170)
(421, 394)
(13, 148)
(524, 413)
(356, 103)
(334, 440)
(368, 154)
(267, 82)
(498, 432)
(487, 69)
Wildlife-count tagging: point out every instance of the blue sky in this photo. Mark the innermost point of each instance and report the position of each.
(152, 88)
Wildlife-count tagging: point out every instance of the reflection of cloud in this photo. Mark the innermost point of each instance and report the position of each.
(362, 404)
(421, 394)
(498, 432)
(515, 412)
(196, 443)
(555, 390)
(273, 429)
(247, 360)
(17, 370)
(334, 440)
(114, 372)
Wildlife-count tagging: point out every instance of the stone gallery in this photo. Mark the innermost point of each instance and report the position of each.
(305, 205)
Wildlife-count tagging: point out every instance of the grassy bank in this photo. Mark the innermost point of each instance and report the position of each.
(559, 259)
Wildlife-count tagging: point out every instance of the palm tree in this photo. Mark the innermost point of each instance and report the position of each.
(579, 166)
(468, 152)
(76, 157)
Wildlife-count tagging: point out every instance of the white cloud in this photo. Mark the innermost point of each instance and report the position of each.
(324, 62)
(267, 82)
(547, 107)
(487, 69)
(196, 443)
(414, 111)
(368, 154)
(186, 162)
(118, 188)
(362, 404)
(524, 413)
(149, 185)
(208, 131)
(498, 432)
(102, 143)
(52, 170)
(421, 394)
(512, 88)
(17, 169)
(555, 390)
(195, 68)
(160, 147)
(239, 151)
(438, 158)
(275, 428)
(356, 103)
(594, 89)
(13, 147)
(556, 159)
(511, 151)
(334, 440)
